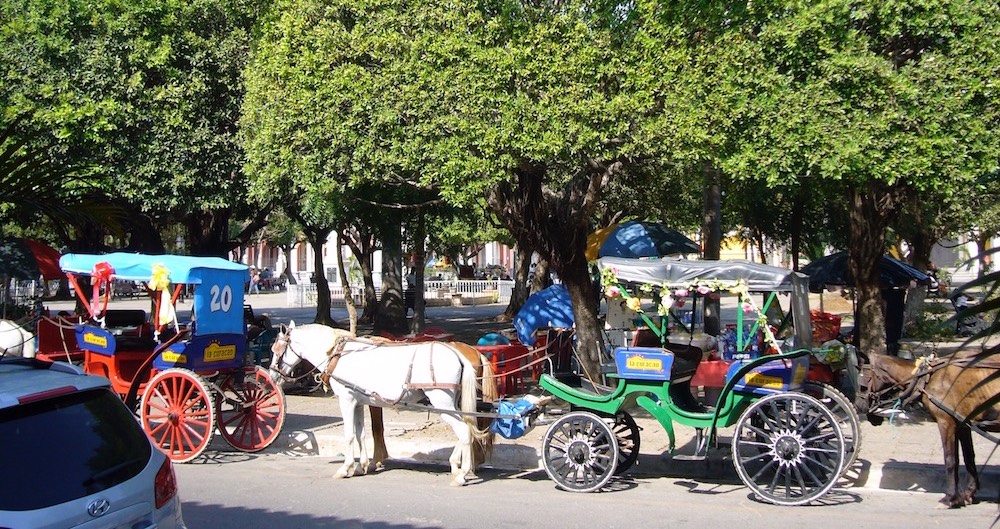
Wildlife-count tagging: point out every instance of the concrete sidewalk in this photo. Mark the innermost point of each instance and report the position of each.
(904, 455)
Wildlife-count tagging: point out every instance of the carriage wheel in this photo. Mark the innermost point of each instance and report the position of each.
(847, 417)
(177, 413)
(580, 452)
(250, 410)
(627, 434)
(788, 448)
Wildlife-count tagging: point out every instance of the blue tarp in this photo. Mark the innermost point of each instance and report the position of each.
(546, 308)
(515, 423)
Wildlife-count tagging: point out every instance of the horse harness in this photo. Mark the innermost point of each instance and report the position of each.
(913, 387)
(337, 350)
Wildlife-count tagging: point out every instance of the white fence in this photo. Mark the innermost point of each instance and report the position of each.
(436, 293)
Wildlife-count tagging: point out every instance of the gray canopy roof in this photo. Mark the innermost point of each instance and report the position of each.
(758, 277)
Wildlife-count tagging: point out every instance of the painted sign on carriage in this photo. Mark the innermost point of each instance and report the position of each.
(771, 377)
(218, 351)
(95, 340)
(646, 363)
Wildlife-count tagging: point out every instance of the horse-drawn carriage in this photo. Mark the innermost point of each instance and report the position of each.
(189, 377)
(792, 439)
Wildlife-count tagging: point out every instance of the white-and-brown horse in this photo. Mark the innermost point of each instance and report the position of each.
(955, 390)
(375, 372)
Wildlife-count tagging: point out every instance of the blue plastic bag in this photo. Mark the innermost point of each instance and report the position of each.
(517, 423)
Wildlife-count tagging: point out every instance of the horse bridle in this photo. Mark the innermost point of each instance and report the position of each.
(891, 393)
(283, 368)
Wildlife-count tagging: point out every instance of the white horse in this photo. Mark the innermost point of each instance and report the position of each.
(16, 340)
(376, 373)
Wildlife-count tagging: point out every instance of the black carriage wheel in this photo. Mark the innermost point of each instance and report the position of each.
(627, 434)
(580, 452)
(788, 448)
(847, 417)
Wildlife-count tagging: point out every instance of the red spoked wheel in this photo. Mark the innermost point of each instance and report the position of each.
(178, 414)
(251, 410)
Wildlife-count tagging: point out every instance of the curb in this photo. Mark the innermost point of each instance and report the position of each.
(523, 455)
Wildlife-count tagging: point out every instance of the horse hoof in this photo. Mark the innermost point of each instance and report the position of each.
(457, 483)
(948, 504)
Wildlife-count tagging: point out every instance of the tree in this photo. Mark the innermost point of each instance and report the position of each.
(147, 95)
(879, 98)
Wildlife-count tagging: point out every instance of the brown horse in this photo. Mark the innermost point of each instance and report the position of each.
(489, 394)
(955, 390)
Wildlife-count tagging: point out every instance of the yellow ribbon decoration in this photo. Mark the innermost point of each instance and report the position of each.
(160, 279)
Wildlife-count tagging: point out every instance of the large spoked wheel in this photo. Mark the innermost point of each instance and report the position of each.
(627, 434)
(847, 417)
(177, 414)
(580, 452)
(250, 410)
(788, 448)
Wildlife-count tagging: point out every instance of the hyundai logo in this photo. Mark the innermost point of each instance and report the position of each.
(98, 507)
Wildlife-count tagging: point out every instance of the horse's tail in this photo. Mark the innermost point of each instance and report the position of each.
(480, 429)
(490, 393)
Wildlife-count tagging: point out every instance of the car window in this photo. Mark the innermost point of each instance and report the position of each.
(60, 449)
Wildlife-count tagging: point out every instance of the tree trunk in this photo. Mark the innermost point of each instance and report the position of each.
(870, 211)
(589, 341)
(317, 238)
(541, 278)
(712, 228)
(420, 255)
(519, 294)
(555, 223)
(208, 233)
(391, 312)
(921, 243)
(287, 272)
(352, 311)
(795, 229)
(362, 245)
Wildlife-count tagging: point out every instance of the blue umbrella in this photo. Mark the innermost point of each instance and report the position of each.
(635, 239)
(550, 307)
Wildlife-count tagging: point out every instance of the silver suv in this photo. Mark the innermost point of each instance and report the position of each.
(73, 455)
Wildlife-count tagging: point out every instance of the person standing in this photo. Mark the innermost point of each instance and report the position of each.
(254, 281)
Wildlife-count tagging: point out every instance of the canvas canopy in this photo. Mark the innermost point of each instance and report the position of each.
(139, 267)
(685, 273)
(758, 277)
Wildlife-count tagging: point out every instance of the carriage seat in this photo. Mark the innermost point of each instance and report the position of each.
(117, 318)
(686, 360)
(686, 357)
(132, 331)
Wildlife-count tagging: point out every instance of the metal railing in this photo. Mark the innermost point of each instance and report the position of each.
(456, 292)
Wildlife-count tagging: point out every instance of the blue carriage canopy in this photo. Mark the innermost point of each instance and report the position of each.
(218, 296)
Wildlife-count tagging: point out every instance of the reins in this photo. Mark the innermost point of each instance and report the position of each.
(522, 367)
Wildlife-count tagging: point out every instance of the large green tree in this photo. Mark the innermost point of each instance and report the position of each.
(881, 98)
(146, 93)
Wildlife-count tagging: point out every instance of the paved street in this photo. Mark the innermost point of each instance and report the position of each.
(902, 458)
(246, 491)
